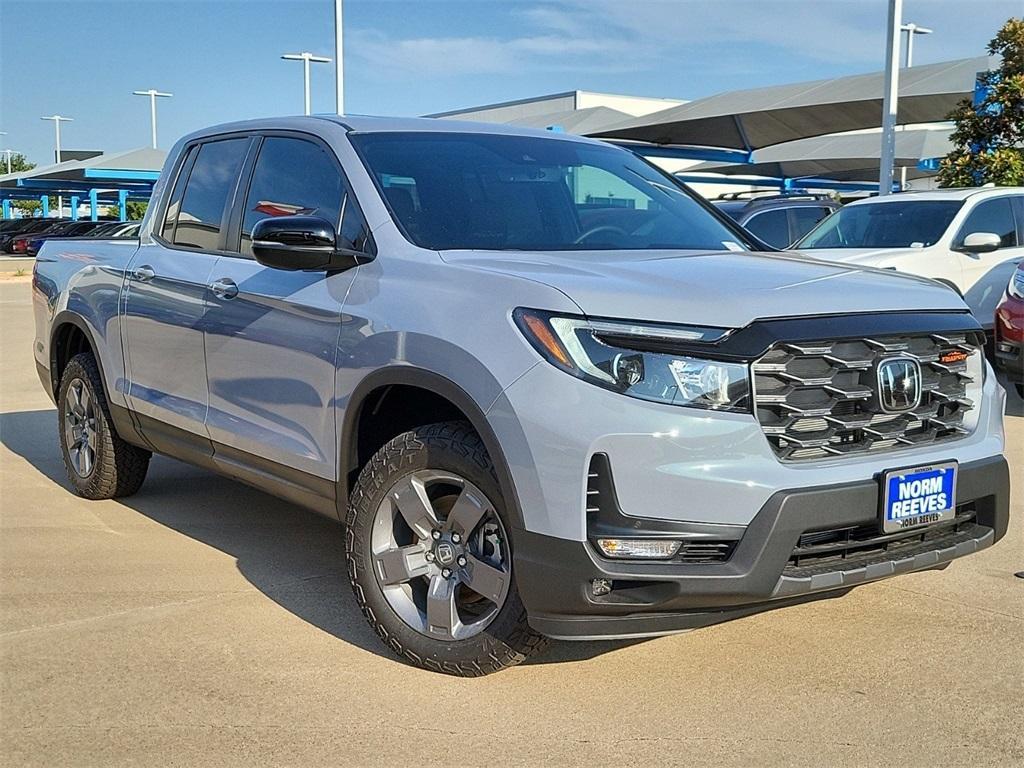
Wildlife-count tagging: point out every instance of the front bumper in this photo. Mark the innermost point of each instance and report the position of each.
(554, 576)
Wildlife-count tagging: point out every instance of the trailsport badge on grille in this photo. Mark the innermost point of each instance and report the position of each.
(899, 384)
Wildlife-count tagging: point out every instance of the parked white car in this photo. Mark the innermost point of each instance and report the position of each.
(970, 239)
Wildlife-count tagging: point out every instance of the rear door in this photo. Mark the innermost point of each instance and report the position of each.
(986, 275)
(271, 334)
(167, 297)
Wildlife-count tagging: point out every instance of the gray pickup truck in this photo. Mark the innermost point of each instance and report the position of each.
(546, 391)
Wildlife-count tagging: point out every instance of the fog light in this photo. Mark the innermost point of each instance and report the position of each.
(646, 549)
(599, 587)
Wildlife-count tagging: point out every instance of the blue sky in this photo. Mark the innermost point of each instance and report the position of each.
(220, 58)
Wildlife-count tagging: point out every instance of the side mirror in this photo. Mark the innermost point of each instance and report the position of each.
(301, 243)
(981, 242)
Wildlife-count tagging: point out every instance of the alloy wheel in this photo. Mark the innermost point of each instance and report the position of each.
(80, 427)
(440, 554)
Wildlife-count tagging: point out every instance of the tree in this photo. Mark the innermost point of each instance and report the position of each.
(134, 210)
(988, 140)
(20, 163)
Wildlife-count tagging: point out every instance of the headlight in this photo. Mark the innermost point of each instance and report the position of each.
(636, 359)
(1016, 286)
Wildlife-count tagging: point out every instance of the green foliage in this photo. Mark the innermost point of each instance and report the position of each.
(18, 163)
(134, 209)
(988, 140)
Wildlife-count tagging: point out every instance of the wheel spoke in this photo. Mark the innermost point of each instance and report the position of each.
(486, 580)
(84, 460)
(466, 513)
(442, 615)
(86, 402)
(413, 504)
(75, 398)
(396, 566)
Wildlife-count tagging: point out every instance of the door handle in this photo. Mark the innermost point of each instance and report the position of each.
(144, 273)
(224, 288)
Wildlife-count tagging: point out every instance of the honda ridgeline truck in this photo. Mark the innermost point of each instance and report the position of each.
(547, 391)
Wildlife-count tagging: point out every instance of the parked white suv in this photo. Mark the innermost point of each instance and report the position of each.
(970, 239)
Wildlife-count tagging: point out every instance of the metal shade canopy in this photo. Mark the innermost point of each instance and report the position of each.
(137, 166)
(761, 117)
(846, 157)
(578, 121)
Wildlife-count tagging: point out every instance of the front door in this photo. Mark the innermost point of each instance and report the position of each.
(271, 334)
(986, 275)
(167, 298)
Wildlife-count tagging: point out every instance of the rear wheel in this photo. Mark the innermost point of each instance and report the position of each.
(430, 558)
(99, 464)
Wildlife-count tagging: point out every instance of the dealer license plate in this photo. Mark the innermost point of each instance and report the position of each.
(918, 496)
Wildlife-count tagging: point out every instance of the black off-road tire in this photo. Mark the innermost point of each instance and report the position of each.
(453, 447)
(118, 468)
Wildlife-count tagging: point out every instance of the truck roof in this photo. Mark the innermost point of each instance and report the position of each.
(370, 124)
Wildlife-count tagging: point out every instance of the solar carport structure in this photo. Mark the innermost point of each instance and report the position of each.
(109, 179)
(731, 127)
(845, 157)
(747, 120)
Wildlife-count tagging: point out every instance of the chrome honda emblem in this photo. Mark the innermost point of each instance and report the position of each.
(899, 384)
(445, 553)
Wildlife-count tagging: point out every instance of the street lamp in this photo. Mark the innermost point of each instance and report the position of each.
(57, 120)
(305, 57)
(339, 78)
(912, 29)
(153, 94)
(890, 96)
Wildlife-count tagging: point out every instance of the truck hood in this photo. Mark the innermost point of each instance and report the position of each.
(725, 289)
(862, 256)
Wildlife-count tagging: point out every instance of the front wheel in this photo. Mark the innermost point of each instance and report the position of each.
(430, 557)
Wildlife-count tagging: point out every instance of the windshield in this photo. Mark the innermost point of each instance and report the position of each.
(494, 192)
(904, 224)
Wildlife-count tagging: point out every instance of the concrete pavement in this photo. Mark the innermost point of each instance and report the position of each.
(205, 623)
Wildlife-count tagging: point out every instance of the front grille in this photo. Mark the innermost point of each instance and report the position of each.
(818, 399)
(842, 549)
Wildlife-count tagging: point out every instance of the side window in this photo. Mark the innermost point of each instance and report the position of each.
(208, 192)
(292, 177)
(174, 206)
(806, 218)
(771, 226)
(994, 216)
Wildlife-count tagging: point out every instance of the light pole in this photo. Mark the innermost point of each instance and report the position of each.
(890, 97)
(153, 94)
(8, 153)
(305, 57)
(912, 29)
(57, 120)
(339, 73)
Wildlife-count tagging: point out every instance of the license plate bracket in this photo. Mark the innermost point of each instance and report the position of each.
(918, 496)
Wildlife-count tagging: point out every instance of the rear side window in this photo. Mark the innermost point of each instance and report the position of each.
(771, 226)
(207, 192)
(995, 216)
(174, 204)
(806, 218)
(292, 177)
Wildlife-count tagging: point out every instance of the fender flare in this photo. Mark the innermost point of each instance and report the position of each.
(67, 317)
(407, 375)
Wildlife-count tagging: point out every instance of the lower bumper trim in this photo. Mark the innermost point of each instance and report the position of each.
(554, 575)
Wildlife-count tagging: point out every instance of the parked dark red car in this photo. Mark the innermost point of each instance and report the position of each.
(1010, 330)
